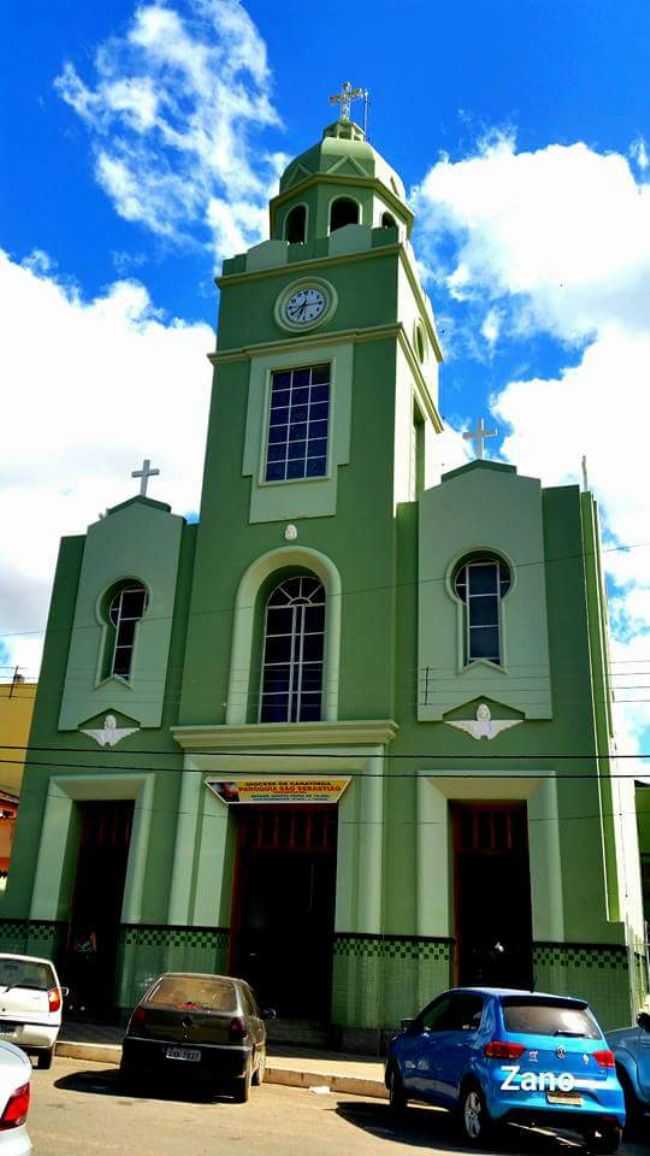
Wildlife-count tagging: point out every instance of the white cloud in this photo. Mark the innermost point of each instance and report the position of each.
(106, 383)
(557, 242)
(170, 112)
(491, 326)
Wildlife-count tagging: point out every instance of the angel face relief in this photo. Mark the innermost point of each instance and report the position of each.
(483, 726)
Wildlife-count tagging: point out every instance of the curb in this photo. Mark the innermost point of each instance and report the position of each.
(289, 1077)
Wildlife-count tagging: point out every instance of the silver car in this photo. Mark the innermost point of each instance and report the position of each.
(31, 999)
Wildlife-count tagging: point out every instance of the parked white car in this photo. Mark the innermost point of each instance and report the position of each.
(15, 1089)
(31, 999)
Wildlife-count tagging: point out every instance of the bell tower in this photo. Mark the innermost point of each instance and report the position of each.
(324, 409)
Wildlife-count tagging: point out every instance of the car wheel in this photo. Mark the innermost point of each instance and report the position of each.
(258, 1074)
(633, 1109)
(242, 1089)
(44, 1060)
(396, 1095)
(603, 1141)
(475, 1119)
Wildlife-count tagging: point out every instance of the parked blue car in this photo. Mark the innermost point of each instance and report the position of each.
(631, 1048)
(497, 1056)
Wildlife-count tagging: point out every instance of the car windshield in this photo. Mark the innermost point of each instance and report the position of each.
(549, 1018)
(26, 973)
(194, 991)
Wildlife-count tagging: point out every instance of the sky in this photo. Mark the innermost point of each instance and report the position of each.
(139, 145)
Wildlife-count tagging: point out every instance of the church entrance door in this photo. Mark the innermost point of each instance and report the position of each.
(283, 906)
(90, 960)
(492, 894)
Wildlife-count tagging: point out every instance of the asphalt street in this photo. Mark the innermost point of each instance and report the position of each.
(80, 1109)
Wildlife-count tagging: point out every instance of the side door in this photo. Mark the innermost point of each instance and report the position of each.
(639, 1046)
(456, 1042)
(418, 1051)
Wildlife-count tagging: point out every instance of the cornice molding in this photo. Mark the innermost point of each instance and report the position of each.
(211, 739)
(341, 179)
(324, 263)
(308, 264)
(303, 341)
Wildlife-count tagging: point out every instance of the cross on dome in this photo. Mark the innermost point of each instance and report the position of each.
(346, 96)
(478, 437)
(144, 474)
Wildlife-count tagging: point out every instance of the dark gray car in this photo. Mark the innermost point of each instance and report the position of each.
(207, 1027)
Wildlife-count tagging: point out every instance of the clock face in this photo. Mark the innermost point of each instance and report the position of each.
(305, 306)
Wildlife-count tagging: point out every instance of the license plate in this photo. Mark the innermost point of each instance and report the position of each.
(191, 1054)
(564, 1098)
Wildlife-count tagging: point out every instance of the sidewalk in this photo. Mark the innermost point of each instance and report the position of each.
(297, 1067)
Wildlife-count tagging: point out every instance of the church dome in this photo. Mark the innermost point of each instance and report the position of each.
(343, 151)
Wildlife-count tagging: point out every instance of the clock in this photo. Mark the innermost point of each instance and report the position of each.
(305, 304)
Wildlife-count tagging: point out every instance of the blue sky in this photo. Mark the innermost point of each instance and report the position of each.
(140, 144)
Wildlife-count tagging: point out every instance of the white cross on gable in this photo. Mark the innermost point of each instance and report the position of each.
(144, 474)
(346, 96)
(478, 436)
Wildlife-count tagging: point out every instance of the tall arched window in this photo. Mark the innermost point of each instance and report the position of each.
(481, 581)
(125, 607)
(294, 636)
(296, 225)
(343, 211)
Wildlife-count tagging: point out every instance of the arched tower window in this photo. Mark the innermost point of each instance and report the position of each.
(296, 225)
(294, 637)
(388, 221)
(126, 605)
(343, 211)
(481, 581)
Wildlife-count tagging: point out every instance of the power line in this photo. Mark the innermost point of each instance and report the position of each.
(581, 554)
(335, 755)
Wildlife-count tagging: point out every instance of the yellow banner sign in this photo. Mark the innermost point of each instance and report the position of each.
(299, 789)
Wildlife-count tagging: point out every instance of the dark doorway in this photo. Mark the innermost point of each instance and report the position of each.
(492, 894)
(91, 950)
(283, 915)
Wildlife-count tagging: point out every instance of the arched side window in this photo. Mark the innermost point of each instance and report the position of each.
(294, 639)
(295, 226)
(481, 581)
(343, 211)
(388, 221)
(126, 605)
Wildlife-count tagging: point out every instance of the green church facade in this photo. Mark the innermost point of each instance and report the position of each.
(438, 674)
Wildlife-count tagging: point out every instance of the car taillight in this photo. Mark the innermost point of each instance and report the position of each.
(16, 1110)
(238, 1028)
(605, 1059)
(137, 1019)
(501, 1050)
(54, 999)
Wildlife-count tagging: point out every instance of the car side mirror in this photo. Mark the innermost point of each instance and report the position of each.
(269, 1013)
(407, 1025)
(643, 1020)
(65, 992)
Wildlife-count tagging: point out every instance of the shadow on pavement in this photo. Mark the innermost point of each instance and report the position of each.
(423, 1127)
(109, 1082)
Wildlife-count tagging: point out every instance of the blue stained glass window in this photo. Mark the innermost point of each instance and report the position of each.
(298, 424)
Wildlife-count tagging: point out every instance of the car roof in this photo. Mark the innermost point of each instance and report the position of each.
(198, 975)
(499, 992)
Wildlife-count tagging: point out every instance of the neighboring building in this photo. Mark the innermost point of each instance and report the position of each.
(17, 697)
(349, 735)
